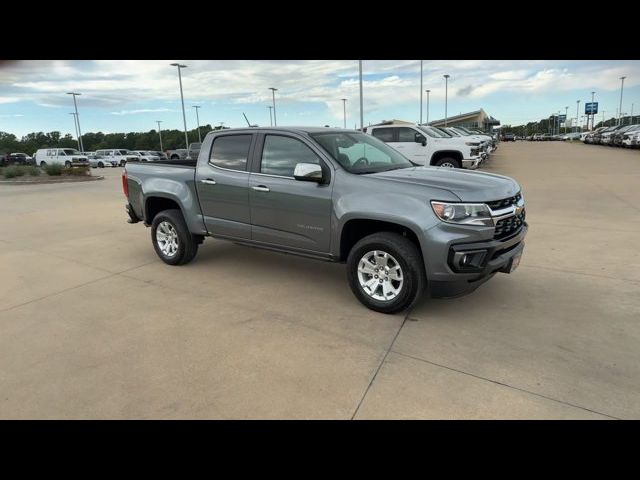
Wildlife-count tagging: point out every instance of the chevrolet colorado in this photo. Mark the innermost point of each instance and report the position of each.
(336, 195)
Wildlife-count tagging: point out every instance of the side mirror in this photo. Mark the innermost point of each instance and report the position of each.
(421, 140)
(308, 172)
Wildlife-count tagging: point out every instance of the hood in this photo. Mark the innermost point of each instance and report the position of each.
(468, 186)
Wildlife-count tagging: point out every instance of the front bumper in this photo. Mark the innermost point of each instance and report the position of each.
(443, 281)
(472, 163)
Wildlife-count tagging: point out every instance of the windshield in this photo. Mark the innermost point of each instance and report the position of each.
(361, 153)
(451, 132)
(70, 151)
(123, 152)
(434, 132)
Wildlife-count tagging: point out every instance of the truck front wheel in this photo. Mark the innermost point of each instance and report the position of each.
(171, 238)
(385, 272)
(447, 162)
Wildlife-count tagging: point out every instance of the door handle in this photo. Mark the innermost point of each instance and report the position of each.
(261, 188)
(208, 181)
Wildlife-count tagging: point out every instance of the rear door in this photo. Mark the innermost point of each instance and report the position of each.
(285, 211)
(222, 186)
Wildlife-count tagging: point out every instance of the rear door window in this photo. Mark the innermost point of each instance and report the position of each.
(384, 134)
(231, 151)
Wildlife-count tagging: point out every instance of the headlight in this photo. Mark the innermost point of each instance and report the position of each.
(463, 213)
(472, 144)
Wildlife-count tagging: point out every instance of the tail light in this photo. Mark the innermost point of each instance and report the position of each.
(125, 183)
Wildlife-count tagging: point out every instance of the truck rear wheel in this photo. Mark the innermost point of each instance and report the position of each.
(447, 162)
(385, 272)
(171, 238)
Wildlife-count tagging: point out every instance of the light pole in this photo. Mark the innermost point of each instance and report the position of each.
(273, 95)
(420, 92)
(270, 114)
(184, 115)
(593, 115)
(361, 115)
(160, 133)
(428, 91)
(566, 110)
(78, 118)
(577, 113)
(621, 88)
(344, 111)
(631, 121)
(75, 124)
(198, 121)
(446, 94)
(602, 119)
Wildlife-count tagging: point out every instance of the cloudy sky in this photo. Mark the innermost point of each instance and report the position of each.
(125, 96)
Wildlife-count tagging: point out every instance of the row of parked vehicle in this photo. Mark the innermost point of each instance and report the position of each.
(616, 136)
(452, 147)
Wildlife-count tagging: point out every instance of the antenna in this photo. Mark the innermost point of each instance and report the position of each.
(245, 117)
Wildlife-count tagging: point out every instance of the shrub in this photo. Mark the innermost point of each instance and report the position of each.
(13, 172)
(33, 171)
(54, 169)
(77, 171)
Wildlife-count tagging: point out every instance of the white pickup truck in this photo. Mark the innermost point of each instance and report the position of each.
(426, 145)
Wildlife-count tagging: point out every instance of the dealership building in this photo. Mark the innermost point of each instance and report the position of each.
(478, 119)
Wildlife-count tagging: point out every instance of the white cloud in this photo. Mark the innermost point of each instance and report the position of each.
(141, 110)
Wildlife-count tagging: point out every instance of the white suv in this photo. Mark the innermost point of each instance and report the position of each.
(145, 156)
(426, 145)
(120, 155)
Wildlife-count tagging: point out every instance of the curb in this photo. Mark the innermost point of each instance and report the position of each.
(50, 181)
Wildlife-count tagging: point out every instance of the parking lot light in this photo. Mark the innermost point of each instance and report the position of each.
(428, 91)
(75, 124)
(344, 111)
(184, 115)
(270, 107)
(361, 114)
(273, 95)
(577, 113)
(78, 119)
(446, 92)
(198, 122)
(621, 88)
(421, 92)
(160, 133)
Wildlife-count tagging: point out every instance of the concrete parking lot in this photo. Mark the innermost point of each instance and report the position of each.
(94, 325)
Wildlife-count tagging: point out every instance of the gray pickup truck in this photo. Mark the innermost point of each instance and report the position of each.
(336, 195)
(190, 153)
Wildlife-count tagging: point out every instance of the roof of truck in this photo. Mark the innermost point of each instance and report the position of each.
(288, 129)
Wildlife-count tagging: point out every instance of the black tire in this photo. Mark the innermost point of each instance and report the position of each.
(175, 157)
(100, 165)
(448, 160)
(187, 243)
(410, 261)
(67, 164)
(43, 164)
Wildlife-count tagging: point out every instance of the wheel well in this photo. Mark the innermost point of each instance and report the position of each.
(354, 230)
(155, 205)
(446, 153)
(174, 157)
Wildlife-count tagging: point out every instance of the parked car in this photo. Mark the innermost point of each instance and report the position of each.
(631, 138)
(606, 137)
(185, 153)
(145, 156)
(335, 195)
(120, 155)
(486, 142)
(571, 136)
(102, 161)
(426, 145)
(508, 137)
(616, 138)
(16, 159)
(159, 154)
(69, 157)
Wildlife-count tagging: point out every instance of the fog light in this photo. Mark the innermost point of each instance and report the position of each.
(466, 261)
